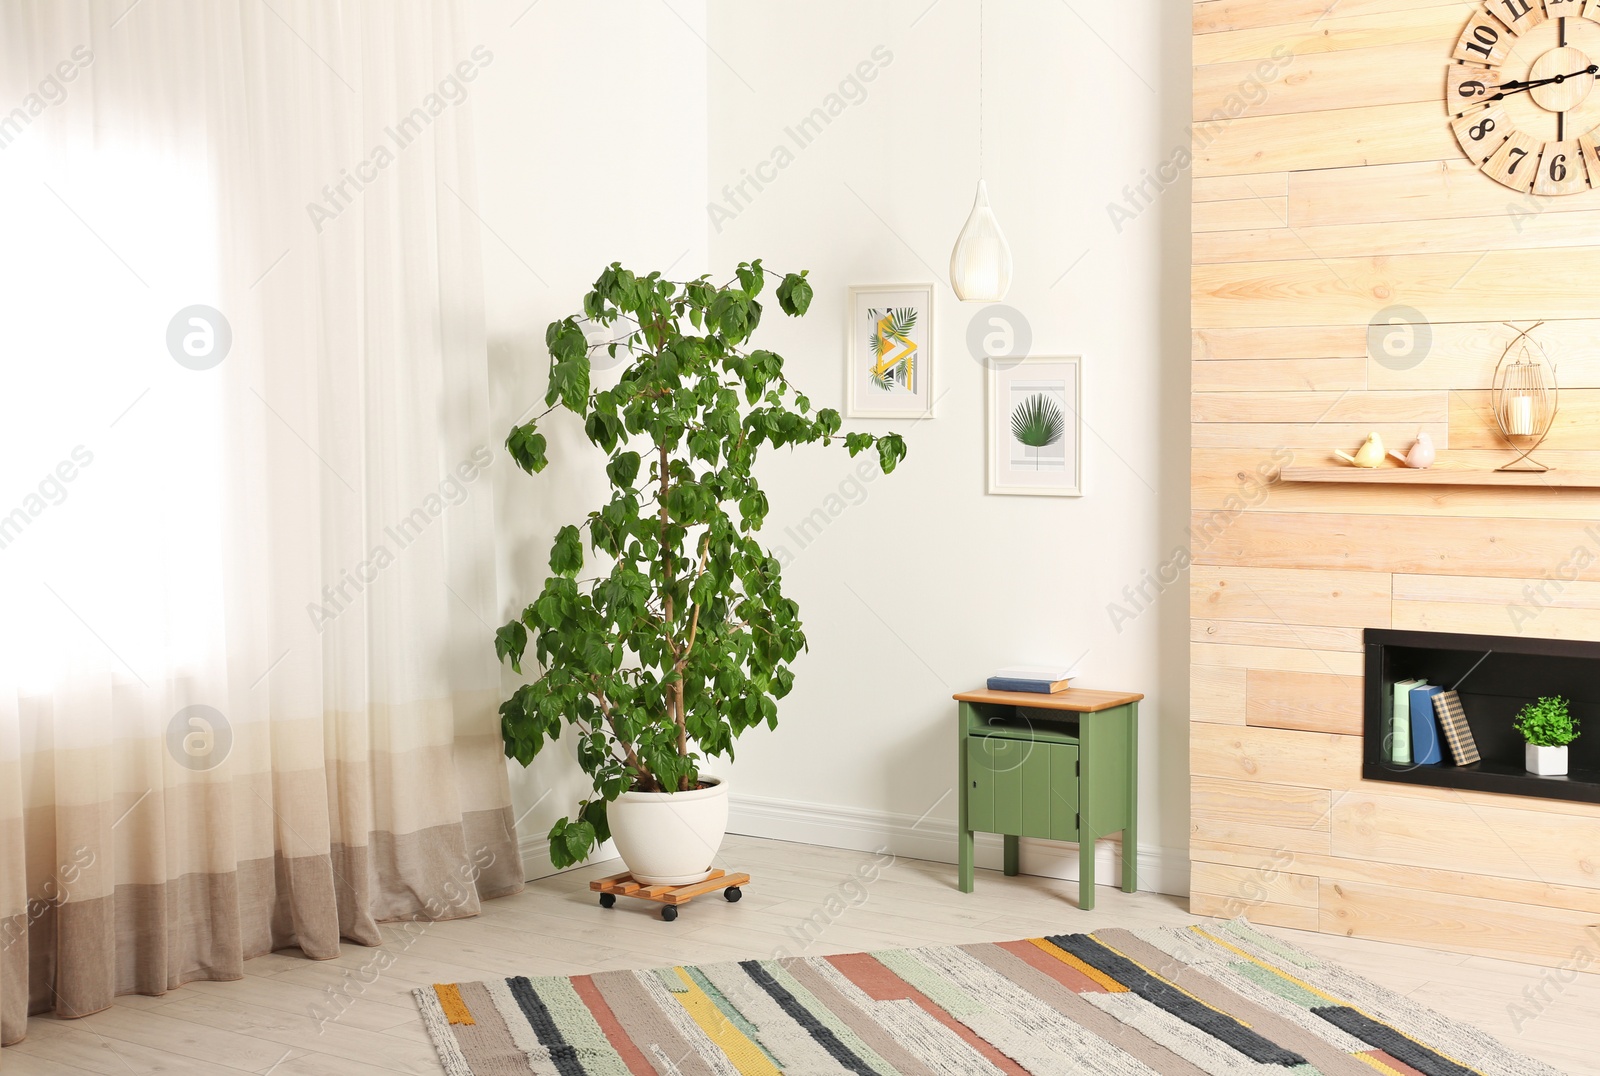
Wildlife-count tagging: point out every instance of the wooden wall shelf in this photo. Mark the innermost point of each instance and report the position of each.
(1440, 476)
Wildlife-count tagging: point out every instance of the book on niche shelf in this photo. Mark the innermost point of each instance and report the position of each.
(1457, 733)
(1397, 721)
(1034, 679)
(1424, 729)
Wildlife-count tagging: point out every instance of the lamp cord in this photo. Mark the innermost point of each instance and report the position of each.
(980, 90)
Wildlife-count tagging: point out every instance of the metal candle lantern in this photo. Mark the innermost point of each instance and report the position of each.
(1524, 398)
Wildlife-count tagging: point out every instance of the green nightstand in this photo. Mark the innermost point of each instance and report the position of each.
(1062, 767)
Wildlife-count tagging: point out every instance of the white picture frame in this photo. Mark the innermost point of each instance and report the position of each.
(889, 353)
(1049, 469)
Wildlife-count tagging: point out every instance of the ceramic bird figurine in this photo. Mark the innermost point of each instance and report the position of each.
(1368, 455)
(1421, 454)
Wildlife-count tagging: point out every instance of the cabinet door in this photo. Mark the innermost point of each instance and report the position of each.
(1022, 787)
(1050, 792)
(994, 800)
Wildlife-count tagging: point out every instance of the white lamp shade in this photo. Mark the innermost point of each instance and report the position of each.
(980, 264)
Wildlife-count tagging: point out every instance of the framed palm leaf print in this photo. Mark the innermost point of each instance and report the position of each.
(1035, 434)
(889, 370)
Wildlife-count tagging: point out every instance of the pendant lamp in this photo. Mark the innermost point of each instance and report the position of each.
(980, 264)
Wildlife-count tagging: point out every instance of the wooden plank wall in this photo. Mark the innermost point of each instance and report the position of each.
(1336, 192)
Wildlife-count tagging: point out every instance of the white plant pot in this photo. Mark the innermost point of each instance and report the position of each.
(1546, 761)
(670, 838)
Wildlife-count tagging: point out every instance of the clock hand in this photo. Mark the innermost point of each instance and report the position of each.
(1509, 88)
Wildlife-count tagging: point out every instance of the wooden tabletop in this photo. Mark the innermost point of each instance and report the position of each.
(1084, 700)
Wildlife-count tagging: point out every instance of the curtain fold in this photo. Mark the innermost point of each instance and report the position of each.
(247, 690)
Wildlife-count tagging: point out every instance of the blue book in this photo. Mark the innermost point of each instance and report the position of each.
(1424, 727)
(1035, 679)
(1037, 687)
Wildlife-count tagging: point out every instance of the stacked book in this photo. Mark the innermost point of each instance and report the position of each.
(1034, 679)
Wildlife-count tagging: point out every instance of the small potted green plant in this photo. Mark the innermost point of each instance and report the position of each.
(669, 635)
(1548, 727)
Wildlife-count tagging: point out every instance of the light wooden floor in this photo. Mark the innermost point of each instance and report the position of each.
(264, 1023)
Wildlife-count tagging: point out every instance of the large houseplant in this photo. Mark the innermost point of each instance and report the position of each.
(680, 637)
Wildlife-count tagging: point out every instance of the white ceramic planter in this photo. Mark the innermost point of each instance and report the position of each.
(1546, 761)
(670, 838)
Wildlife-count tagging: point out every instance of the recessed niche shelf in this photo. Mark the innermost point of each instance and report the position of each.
(1495, 677)
(1440, 476)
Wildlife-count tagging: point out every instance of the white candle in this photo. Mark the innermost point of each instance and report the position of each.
(1521, 419)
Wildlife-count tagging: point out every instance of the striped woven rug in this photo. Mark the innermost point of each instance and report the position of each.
(1216, 998)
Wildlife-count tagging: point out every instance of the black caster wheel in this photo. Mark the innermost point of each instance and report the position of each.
(732, 894)
(668, 912)
(608, 900)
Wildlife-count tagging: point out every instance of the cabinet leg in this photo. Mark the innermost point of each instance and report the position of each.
(1086, 872)
(1013, 855)
(964, 861)
(1130, 832)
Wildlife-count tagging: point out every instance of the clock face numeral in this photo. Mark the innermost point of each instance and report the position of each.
(1562, 9)
(1485, 41)
(1591, 157)
(1480, 133)
(1467, 85)
(1561, 169)
(1591, 10)
(1516, 163)
(1520, 15)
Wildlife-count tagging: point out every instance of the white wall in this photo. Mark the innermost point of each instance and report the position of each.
(590, 128)
(928, 584)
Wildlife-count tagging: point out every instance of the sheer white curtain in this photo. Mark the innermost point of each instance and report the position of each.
(247, 697)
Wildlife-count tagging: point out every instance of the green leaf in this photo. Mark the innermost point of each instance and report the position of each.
(603, 429)
(731, 313)
(527, 448)
(891, 450)
(794, 294)
(565, 341)
(566, 555)
(623, 469)
(510, 641)
(579, 839)
(562, 843)
(594, 813)
(751, 278)
(569, 383)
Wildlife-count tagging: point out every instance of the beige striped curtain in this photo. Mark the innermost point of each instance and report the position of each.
(247, 694)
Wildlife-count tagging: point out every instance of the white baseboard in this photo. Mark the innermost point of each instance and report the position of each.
(1160, 870)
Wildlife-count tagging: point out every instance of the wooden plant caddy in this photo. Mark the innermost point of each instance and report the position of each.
(668, 896)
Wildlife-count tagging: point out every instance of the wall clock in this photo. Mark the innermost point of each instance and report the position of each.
(1521, 93)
